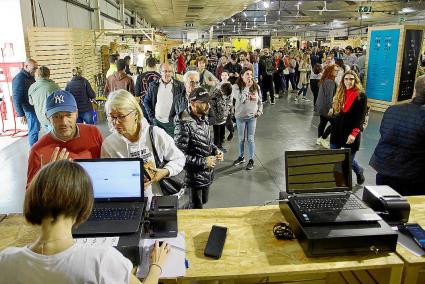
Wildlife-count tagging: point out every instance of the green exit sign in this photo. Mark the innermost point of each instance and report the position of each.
(365, 9)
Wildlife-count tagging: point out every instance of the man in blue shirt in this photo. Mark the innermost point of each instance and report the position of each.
(24, 110)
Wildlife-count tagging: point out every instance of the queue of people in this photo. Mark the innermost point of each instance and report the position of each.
(178, 114)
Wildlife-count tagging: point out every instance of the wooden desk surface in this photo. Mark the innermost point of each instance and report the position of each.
(417, 215)
(252, 250)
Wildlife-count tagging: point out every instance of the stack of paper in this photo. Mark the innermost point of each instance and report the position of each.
(175, 265)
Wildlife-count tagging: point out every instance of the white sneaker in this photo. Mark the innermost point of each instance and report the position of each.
(319, 141)
(325, 144)
(305, 99)
(296, 98)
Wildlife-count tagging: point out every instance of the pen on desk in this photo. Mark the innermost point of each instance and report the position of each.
(177, 248)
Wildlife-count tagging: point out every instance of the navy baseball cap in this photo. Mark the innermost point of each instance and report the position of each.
(60, 101)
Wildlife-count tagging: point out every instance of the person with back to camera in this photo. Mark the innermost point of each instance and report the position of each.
(59, 198)
(349, 112)
(248, 107)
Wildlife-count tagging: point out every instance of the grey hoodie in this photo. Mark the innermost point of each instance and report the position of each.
(248, 104)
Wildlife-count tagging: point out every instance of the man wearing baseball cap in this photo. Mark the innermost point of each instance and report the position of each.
(201, 157)
(67, 139)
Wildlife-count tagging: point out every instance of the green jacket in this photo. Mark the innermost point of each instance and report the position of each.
(37, 95)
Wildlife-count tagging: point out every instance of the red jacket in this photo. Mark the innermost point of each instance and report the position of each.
(181, 64)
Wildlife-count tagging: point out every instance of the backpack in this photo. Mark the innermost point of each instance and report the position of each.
(269, 65)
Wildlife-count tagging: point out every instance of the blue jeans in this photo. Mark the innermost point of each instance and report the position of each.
(246, 127)
(33, 127)
(356, 167)
(86, 117)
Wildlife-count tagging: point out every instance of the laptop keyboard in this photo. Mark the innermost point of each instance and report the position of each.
(315, 203)
(114, 213)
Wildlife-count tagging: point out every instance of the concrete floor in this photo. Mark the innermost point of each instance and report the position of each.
(288, 125)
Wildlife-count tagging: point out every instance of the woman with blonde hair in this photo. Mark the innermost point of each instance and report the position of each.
(303, 69)
(130, 138)
(59, 198)
(349, 111)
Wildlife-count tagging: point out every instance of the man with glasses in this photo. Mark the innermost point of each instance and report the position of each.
(191, 81)
(67, 139)
(158, 102)
(24, 110)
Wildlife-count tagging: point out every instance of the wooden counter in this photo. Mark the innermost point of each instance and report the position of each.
(253, 255)
(414, 266)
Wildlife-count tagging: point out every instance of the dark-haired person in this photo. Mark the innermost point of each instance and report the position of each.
(314, 82)
(350, 59)
(127, 60)
(248, 107)
(192, 136)
(143, 81)
(206, 79)
(220, 106)
(67, 139)
(83, 93)
(38, 93)
(349, 111)
(233, 68)
(266, 67)
(119, 80)
(59, 198)
(399, 157)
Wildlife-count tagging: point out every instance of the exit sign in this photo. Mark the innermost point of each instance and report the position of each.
(365, 9)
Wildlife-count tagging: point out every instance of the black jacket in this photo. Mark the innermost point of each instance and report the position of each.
(401, 149)
(233, 68)
(344, 123)
(20, 86)
(143, 81)
(193, 138)
(81, 89)
(149, 101)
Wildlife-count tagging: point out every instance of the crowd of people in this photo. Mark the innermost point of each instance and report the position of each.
(164, 115)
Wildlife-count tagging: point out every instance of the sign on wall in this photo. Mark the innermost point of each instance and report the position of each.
(382, 64)
(412, 49)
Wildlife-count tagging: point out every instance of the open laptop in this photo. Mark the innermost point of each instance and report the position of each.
(118, 196)
(319, 187)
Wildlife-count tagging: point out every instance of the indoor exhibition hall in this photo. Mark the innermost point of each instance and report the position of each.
(212, 142)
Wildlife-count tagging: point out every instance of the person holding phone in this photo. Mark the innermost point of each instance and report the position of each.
(59, 198)
(248, 107)
(192, 136)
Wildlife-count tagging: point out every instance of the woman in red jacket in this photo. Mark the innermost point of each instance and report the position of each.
(349, 110)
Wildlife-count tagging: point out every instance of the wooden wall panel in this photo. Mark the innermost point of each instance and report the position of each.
(62, 49)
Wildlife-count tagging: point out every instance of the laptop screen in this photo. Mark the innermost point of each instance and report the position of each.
(318, 171)
(115, 179)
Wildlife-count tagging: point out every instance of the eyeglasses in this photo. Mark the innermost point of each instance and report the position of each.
(194, 83)
(348, 79)
(119, 118)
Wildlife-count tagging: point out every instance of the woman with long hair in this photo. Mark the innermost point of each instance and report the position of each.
(303, 69)
(314, 82)
(349, 110)
(327, 89)
(248, 107)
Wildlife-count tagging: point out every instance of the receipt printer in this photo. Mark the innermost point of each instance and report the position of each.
(387, 202)
(163, 217)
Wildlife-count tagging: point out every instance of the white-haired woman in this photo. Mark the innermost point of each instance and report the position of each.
(130, 139)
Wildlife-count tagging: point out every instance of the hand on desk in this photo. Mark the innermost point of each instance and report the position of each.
(159, 255)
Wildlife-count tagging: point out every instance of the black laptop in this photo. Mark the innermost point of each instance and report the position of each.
(118, 196)
(319, 187)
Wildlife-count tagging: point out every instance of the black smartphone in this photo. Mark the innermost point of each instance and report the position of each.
(417, 233)
(215, 243)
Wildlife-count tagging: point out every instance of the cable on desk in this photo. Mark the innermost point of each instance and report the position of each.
(282, 231)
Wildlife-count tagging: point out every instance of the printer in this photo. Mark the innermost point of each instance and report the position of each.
(387, 203)
(162, 218)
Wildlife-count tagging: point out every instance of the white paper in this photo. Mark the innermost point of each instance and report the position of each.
(100, 241)
(175, 265)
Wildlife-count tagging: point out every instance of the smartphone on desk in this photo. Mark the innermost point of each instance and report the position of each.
(416, 232)
(215, 243)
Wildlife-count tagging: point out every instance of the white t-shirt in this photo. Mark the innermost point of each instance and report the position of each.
(164, 101)
(77, 264)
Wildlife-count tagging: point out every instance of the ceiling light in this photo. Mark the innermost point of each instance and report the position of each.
(224, 24)
(265, 4)
(233, 20)
(244, 14)
(299, 2)
(407, 10)
(313, 24)
(274, 30)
